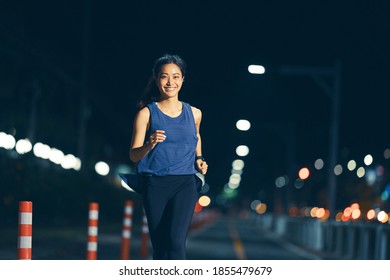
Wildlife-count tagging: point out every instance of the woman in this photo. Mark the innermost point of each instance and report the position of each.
(167, 147)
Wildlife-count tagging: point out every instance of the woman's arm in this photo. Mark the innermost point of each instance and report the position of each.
(200, 163)
(138, 148)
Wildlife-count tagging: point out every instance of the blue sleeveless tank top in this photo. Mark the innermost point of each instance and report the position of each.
(176, 155)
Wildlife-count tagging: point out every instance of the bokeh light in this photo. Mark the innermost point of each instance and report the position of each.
(256, 69)
(204, 200)
(304, 173)
(368, 159)
(319, 164)
(102, 168)
(351, 165)
(243, 125)
(242, 150)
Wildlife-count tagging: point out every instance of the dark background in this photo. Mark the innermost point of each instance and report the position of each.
(59, 53)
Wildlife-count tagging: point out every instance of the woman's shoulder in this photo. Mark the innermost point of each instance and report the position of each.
(197, 113)
(189, 105)
(143, 112)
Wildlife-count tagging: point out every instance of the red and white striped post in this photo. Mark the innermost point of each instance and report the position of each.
(93, 216)
(126, 230)
(25, 230)
(144, 237)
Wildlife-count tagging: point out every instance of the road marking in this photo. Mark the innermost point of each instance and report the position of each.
(237, 244)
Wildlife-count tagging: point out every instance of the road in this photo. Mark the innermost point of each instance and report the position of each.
(220, 237)
(230, 238)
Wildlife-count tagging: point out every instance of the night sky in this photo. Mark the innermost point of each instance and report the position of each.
(218, 39)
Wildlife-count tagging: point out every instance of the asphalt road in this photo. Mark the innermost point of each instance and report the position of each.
(219, 237)
(238, 238)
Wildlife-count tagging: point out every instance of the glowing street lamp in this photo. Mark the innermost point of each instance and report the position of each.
(256, 69)
(319, 75)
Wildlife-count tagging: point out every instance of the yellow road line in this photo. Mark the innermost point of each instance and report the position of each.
(237, 244)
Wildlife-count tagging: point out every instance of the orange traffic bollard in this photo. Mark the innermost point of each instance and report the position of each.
(25, 230)
(93, 216)
(144, 237)
(126, 231)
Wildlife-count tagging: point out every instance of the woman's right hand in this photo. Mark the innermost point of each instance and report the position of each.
(157, 136)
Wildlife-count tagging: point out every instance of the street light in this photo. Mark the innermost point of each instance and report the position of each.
(256, 69)
(333, 91)
(243, 125)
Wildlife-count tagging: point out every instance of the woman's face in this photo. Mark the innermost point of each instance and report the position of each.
(169, 80)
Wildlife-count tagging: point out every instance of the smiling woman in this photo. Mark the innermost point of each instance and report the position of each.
(166, 146)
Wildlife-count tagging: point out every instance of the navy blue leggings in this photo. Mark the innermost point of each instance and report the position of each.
(169, 203)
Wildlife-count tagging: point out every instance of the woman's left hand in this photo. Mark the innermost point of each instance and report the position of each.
(201, 166)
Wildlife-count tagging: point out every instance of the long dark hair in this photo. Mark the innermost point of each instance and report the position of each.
(151, 92)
